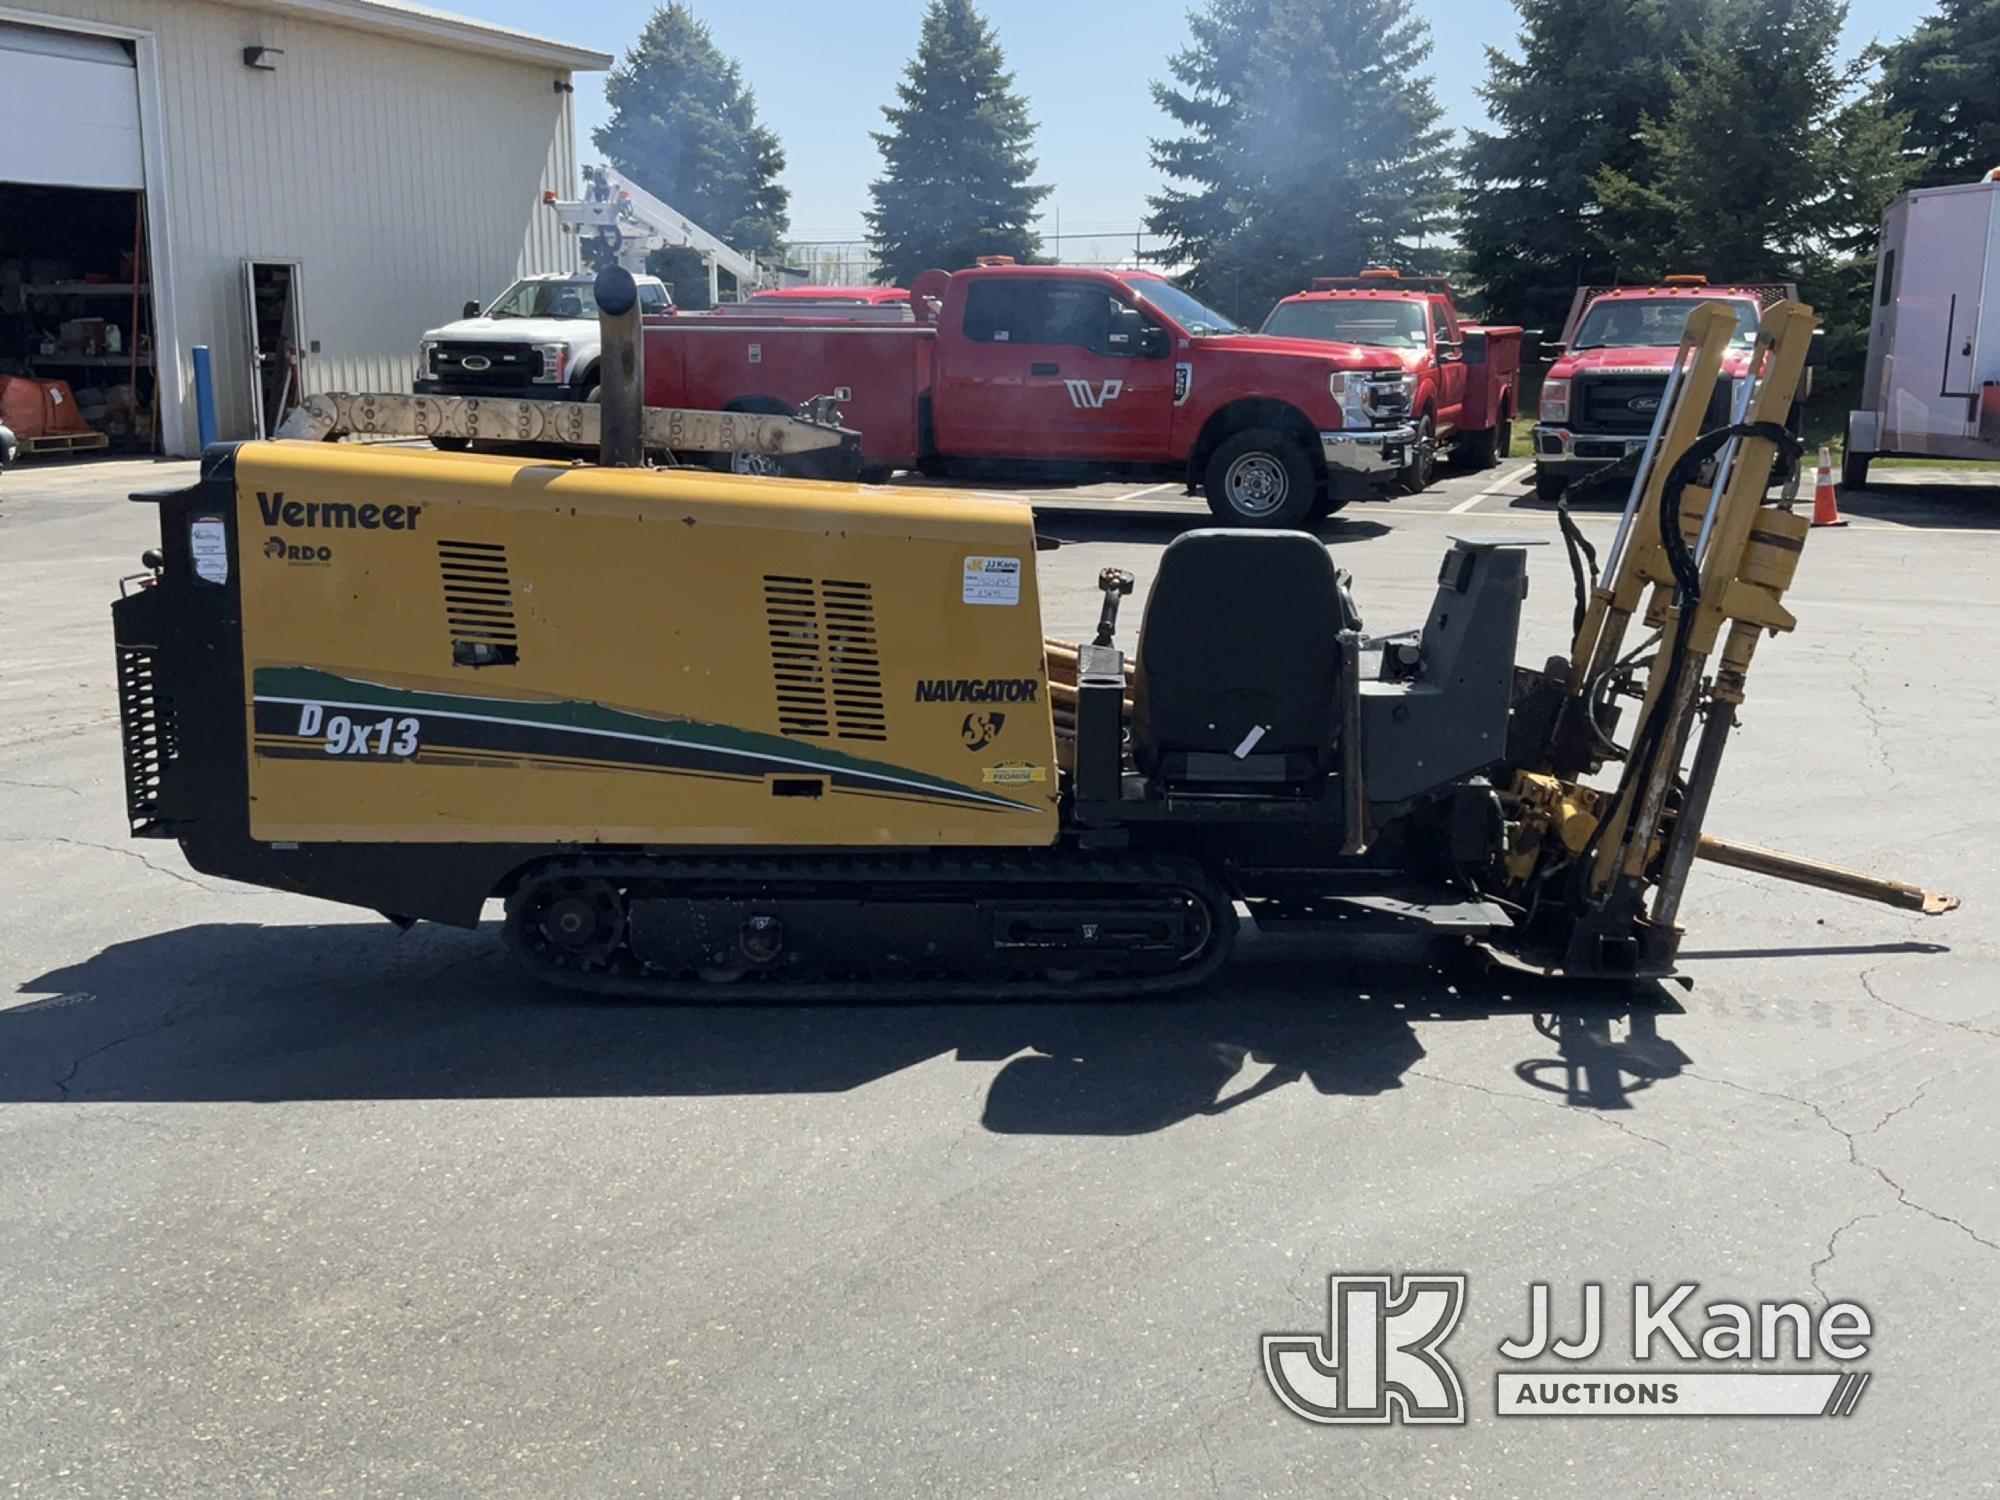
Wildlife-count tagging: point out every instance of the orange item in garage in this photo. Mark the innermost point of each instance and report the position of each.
(39, 408)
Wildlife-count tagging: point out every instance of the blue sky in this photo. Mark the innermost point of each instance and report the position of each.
(1084, 65)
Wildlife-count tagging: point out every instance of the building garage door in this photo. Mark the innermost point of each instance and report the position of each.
(69, 110)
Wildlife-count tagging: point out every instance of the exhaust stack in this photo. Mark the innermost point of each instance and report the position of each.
(621, 371)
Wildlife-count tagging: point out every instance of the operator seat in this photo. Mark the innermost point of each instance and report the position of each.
(1236, 676)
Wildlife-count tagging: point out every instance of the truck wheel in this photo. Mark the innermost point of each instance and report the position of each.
(1415, 476)
(1549, 485)
(1481, 450)
(1853, 470)
(1260, 478)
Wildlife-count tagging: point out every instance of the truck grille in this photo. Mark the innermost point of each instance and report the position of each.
(506, 365)
(1386, 399)
(1625, 405)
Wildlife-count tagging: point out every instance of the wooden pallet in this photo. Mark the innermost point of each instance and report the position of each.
(63, 442)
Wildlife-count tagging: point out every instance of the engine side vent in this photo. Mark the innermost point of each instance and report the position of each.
(478, 604)
(826, 662)
(147, 719)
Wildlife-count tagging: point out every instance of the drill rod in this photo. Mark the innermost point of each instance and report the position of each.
(1826, 877)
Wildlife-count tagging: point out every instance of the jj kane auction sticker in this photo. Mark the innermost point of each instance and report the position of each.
(1382, 1358)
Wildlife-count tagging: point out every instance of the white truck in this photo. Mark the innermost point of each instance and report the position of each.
(538, 341)
(1931, 388)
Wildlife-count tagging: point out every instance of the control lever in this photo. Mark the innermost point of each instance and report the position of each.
(1116, 583)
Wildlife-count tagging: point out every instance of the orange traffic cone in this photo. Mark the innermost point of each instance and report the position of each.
(1826, 509)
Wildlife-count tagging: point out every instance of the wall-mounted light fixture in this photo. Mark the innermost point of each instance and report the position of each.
(264, 58)
(564, 86)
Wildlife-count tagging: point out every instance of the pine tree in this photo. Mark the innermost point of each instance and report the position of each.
(1738, 174)
(956, 169)
(684, 127)
(1311, 142)
(1589, 74)
(1945, 76)
(1771, 163)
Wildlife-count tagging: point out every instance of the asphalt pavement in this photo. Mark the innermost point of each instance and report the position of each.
(293, 1203)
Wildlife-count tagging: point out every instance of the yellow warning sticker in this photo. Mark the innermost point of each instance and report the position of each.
(1014, 773)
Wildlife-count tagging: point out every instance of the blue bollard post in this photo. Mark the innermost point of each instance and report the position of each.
(204, 395)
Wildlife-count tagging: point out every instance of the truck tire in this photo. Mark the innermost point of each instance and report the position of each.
(1259, 477)
(756, 464)
(1853, 470)
(1416, 475)
(1549, 485)
(1481, 450)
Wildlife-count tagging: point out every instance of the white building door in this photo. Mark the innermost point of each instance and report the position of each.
(69, 104)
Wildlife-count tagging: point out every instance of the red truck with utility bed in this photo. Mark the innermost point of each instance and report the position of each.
(1609, 378)
(1060, 370)
(1411, 359)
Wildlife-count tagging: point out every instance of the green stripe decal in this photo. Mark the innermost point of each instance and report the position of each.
(311, 685)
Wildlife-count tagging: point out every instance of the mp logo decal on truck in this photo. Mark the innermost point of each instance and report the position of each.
(1091, 395)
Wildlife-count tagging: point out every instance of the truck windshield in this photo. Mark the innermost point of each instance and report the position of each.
(1393, 322)
(1652, 322)
(545, 299)
(1190, 312)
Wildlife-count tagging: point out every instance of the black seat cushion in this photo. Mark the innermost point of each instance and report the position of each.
(1239, 635)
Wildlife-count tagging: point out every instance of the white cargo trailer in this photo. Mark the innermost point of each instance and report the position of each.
(1932, 387)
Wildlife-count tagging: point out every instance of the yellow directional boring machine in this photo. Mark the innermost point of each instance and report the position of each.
(728, 737)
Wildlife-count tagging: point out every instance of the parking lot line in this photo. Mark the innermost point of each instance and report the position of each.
(1505, 482)
(1151, 489)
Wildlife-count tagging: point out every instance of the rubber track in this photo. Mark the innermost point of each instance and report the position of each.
(983, 877)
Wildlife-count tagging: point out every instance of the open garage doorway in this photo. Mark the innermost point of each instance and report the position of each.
(76, 317)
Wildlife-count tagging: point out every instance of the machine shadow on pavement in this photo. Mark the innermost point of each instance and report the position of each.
(242, 1012)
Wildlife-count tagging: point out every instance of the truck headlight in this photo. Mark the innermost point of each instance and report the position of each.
(1347, 387)
(1360, 395)
(425, 349)
(555, 363)
(1555, 400)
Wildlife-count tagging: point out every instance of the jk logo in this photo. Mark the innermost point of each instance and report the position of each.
(1085, 394)
(1380, 1359)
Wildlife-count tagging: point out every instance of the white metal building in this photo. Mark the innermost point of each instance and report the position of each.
(329, 176)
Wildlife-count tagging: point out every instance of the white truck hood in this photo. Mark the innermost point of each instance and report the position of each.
(516, 330)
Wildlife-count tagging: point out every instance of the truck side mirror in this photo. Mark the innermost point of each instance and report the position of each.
(1449, 350)
(470, 310)
(1816, 350)
(1154, 343)
(1552, 350)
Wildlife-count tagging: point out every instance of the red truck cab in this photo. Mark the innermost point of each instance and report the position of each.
(1060, 371)
(1421, 378)
(1604, 390)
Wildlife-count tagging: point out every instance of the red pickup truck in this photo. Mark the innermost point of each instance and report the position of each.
(1412, 360)
(1063, 371)
(1602, 394)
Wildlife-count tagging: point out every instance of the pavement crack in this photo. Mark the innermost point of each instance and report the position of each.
(168, 1018)
(1602, 1117)
(1854, 1156)
(1915, 1099)
(41, 786)
(1833, 1240)
(1867, 977)
(1864, 688)
(195, 881)
(1214, 1484)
